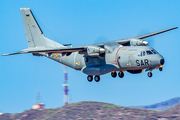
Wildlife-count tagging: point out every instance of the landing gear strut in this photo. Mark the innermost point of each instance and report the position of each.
(149, 74)
(121, 74)
(113, 74)
(97, 78)
(90, 78)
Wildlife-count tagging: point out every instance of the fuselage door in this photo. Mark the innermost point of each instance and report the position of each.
(131, 60)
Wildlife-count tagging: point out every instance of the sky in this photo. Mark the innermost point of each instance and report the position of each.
(84, 22)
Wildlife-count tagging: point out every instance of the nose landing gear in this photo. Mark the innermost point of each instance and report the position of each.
(151, 69)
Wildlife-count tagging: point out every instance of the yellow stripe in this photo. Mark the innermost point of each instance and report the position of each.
(29, 20)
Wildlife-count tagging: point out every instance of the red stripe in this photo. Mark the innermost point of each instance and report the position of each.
(116, 56)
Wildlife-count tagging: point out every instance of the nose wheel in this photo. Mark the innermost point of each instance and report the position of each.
(121, 74)
(151, 69)
(113, 74)
(149, 74)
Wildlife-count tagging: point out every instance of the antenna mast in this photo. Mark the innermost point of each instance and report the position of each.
(65, 85)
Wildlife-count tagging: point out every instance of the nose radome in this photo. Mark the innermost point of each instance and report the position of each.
(162, 61)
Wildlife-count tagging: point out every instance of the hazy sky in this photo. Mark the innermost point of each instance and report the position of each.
(81, 22)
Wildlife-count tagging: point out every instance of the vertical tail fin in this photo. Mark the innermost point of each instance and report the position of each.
(34, 34)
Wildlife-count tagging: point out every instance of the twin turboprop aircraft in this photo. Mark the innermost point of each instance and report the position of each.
(131, 54)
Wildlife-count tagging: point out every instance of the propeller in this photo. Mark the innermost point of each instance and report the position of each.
(101, 39)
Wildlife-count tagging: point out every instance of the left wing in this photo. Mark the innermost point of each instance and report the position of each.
(54, 50)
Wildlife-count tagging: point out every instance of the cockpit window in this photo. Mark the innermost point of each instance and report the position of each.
(142, 53)
(149, 52)
(153, 51)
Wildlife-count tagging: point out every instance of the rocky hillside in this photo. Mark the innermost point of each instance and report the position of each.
(162, 105)
(94, 111)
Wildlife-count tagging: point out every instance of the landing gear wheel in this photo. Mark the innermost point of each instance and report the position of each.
(160, 69)
(121, 74)
(90, 78)
(149, 74)
(113, 74)
(97, 78)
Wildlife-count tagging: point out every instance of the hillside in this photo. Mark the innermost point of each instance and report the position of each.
(162, 105)
(93, 111)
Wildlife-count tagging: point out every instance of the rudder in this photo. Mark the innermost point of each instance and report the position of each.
(34, 34)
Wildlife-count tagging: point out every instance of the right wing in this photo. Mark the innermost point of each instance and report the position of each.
(141, 37)
(154, 33)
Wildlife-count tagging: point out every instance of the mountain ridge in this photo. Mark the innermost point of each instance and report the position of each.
(91, 110)
(161, 106)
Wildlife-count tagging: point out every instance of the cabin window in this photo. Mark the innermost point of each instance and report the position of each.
(140, 54)
(144, 53)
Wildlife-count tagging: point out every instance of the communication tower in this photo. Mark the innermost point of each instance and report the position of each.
(38, 105)
(65, 85)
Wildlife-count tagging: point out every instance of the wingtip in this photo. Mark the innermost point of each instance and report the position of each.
(4, 55)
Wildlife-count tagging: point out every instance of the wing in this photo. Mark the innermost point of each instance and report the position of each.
(78, 49)
(154, 33)
(126, 42)
(55, 50)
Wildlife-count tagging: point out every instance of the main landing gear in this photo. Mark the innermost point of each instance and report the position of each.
(114, 74)
(90, 78)
(96, 78)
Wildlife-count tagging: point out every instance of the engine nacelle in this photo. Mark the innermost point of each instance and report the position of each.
(135, 71)
(93, 51)
(138, 42)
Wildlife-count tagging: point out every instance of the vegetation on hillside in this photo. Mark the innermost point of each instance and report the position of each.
(94, 111)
